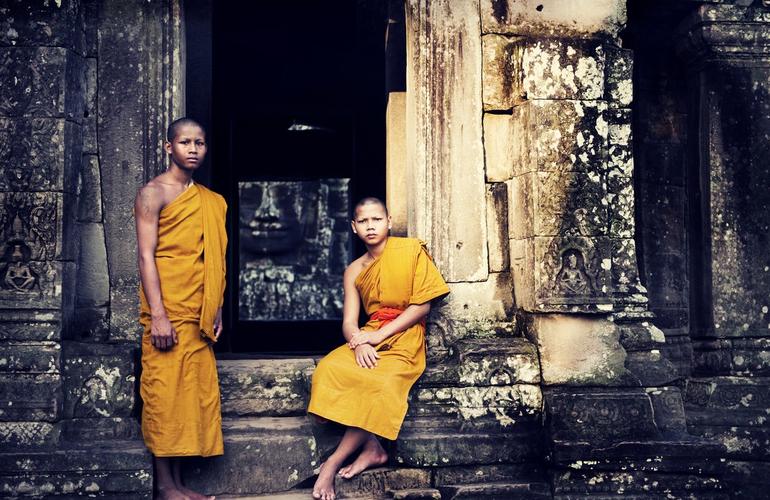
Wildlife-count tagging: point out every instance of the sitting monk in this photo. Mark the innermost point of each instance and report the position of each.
(181, 236)
(364, 384)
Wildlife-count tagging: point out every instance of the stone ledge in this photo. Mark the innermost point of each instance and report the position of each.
(507, 491)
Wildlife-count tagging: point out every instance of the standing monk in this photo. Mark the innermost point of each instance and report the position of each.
(364, 384)
(180, 229)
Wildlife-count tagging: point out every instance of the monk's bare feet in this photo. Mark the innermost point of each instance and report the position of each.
(171, 494)
(323, 488)
(194, 495)
(372, 455)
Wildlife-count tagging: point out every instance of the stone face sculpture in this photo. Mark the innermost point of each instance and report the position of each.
(294, 244)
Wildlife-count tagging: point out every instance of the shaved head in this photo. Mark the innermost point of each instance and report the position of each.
(370, 200)
(173, 129)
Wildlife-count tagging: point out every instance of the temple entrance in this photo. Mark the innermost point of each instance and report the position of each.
(293, 95)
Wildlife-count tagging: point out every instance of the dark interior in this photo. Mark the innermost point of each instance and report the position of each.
(256, 70)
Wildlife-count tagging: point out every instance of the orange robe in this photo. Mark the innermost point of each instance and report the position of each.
(375, 399)
(180, 387)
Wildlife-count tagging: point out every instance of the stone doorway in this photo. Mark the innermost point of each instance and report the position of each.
(293, 95)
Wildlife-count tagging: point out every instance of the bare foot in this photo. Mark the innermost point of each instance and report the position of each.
(171, 494)
(323, 488)
(372, 455)
(194, 495)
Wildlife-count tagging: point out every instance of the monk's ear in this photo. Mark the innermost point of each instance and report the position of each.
(390, 222)
(167, 147)
(353, 226)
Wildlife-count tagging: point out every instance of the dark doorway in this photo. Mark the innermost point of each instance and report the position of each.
(293, 94)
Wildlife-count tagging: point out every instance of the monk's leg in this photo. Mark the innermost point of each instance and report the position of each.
(176, 469)
(353, 439)
(372, 455)
(167, 489)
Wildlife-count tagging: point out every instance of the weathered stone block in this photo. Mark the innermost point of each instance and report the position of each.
(569, 203)
(498, 146)
(625, 273)
(663, 164)
(505, 361)
(447, 153)
(663, 220)
(17, 435)
(434, 447)
(563, 69)
(560, 135)
(561, 18)
(90, 145)
(668, 408)
(119, 469)
(488, 473)
(39, 154)
(376, 482)
(479, 306)
(600, 416)
(507, 490)
(26, 325)
(40, 23)
(93, 283)
(33, 225)
(90, 194)
(497, 227)
(619, 89)
(641, 336)
(33, 357)
(41, 82)
(99, 380)
(488, 408)
(650, 368)
(83, 430)
(265, 387)
(620, 200)
(578, 350)
(91, 323)
(501, 72)
(264, 455)
(30, 397)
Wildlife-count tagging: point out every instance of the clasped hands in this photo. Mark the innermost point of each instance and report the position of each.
(362, 343)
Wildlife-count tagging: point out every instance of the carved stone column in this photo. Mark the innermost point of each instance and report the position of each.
(557, 93)
(727, 50)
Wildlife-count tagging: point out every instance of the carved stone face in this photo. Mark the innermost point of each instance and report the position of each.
(269, 218)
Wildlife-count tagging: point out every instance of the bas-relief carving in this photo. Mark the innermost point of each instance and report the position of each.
(575, 271)
(294, 242)
(28, 153)
(30, 219)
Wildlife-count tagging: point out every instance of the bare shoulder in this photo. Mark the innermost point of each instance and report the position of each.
(354, 269)
(150, 198)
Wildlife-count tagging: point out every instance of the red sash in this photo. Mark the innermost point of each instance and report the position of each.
(387, 314)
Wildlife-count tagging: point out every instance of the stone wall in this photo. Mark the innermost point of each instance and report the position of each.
(84, 103)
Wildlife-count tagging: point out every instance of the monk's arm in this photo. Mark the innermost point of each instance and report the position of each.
(147, 210)
(352, 305)
(411, 316)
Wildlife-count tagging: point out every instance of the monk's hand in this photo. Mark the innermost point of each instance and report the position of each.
(218, 324)
(366, 356)
(163, 335)
(370, 338)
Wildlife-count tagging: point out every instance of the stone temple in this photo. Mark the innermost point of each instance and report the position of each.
(592, 178)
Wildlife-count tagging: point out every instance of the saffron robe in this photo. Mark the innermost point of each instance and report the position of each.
(376, 399)
(180, 387)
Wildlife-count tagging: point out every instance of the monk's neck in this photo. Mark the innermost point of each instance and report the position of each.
(375, 251)
(179, 175)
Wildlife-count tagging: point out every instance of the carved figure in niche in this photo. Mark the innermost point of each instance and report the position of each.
(572, 277)
(293, 248)
(17, 275)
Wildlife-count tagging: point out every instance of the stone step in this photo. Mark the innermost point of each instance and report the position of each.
(112, 469)
(265, 387)
(302, 494)
(496, 491)
(262, 455)
(376, 482)
(728, 393)
(415, 494)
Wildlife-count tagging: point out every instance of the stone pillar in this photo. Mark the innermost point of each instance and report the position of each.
(556, 95)
(727, 50)
(480, 401)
